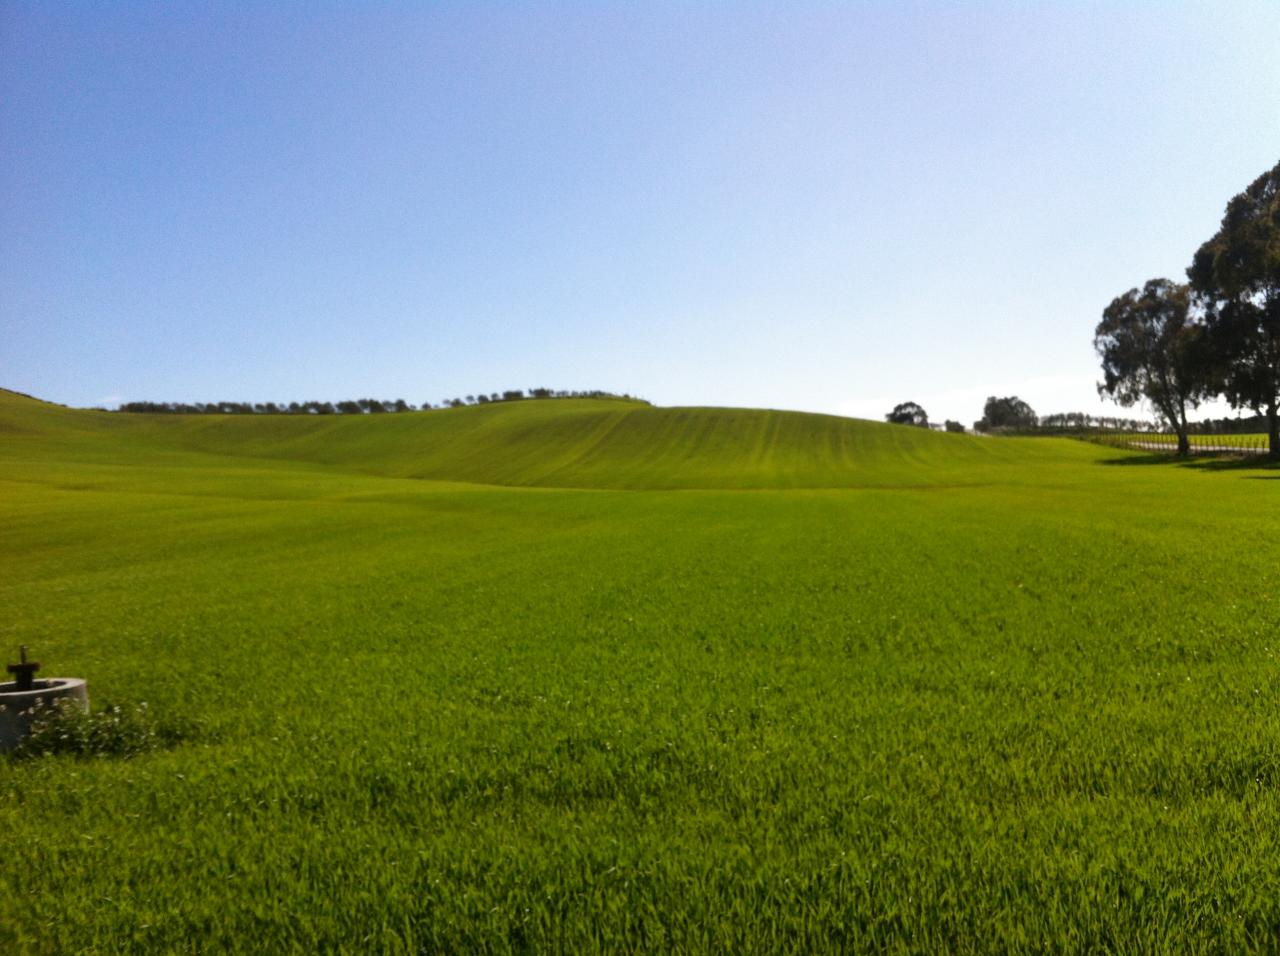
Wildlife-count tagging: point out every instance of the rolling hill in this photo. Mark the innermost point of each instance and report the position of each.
(566, 443)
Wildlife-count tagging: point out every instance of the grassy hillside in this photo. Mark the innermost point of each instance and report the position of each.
(981, 695)
(551, 443)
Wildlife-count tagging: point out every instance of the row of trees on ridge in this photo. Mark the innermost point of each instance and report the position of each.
(999, 414)
(359, 406)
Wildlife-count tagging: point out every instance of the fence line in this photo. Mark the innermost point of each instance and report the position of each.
(1167, 442)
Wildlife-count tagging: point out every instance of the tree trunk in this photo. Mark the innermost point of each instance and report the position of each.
(1273, 429)
(1184, 443)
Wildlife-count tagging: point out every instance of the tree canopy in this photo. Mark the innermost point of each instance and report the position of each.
(908, 413)
(1152, 352)
(1236, 276)
(1008, 412)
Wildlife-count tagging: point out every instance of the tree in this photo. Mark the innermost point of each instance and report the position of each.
(1009, 412)
(954, 426)
(1151, 351)
(908, 413)
(1236, 275)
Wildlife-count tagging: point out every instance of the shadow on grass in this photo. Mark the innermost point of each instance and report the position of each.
(1227, 463)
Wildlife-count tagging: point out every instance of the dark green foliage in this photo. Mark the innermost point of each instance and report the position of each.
(908, 413)
(954, 427)
(1009, 413)
(110, 731)
(1152, 352)
(1240, 425)
(1080, 421)
(363, 406)
(1068, 421)
(1236, 274)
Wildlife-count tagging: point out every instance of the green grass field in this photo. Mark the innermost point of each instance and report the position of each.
(580, 676)
(1258, 442)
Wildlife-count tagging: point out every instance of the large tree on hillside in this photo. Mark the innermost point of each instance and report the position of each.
(1236, 275)
(1008, 412)
(908, 413)
(1151, 351)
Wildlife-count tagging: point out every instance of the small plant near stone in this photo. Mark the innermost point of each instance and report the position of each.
(111, 731)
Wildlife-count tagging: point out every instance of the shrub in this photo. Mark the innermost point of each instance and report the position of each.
(111, 731)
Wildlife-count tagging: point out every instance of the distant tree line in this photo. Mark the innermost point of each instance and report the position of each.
(1244, 425)
(998, 415)
(1173, 345)
(1083, 421)
(1011, 415)
(516, 395)
(359, 406)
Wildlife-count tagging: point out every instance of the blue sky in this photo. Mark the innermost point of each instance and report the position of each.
(827, 207)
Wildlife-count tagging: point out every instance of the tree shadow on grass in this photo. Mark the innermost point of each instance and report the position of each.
(1226, 463)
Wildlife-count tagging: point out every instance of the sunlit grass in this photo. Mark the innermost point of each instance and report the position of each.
(1026, 701)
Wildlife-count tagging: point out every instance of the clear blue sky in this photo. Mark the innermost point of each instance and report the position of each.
(829, 207)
